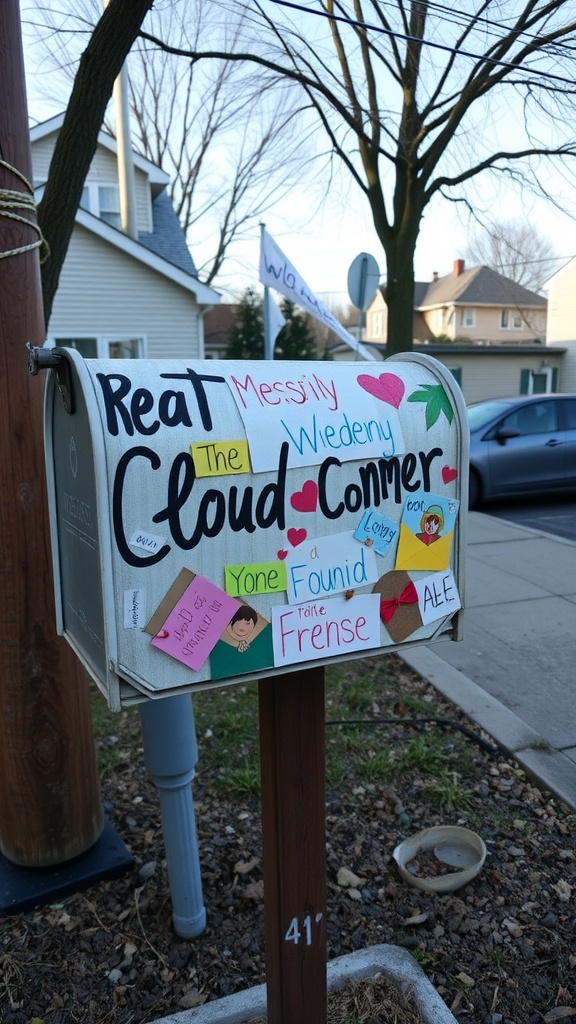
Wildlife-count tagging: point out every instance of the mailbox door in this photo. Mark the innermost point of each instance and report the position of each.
(76, 527)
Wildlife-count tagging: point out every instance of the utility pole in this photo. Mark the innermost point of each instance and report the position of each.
(50, 809)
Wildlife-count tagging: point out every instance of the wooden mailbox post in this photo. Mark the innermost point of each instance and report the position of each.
(238, 520)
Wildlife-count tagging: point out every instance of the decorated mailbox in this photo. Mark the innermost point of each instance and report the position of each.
(213, 521)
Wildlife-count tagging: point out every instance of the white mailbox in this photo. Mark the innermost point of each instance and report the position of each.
(213, 521)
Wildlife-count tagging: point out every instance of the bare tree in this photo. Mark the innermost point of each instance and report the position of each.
(516, 249)
(414, 98)
(219, 130)
(223, 131)
(99, 67)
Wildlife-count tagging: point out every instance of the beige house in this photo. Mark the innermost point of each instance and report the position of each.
(485, 328)
(561, 330)
(122, 296)
(468, 305)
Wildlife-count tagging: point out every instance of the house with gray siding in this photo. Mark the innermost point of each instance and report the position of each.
(118, 296)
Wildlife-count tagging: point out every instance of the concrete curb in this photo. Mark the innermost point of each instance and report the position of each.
(392, 961)
(552, 769)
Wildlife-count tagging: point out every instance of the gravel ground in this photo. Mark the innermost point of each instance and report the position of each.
(501, 950)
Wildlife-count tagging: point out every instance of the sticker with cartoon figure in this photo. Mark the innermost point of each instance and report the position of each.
(244, 646)
(426, 531)
(189, 619)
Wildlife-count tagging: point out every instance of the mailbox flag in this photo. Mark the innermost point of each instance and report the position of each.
(277, 272)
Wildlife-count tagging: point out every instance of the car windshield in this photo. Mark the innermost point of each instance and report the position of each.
(481, 414)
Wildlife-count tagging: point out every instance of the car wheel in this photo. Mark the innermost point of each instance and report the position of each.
(473, 490)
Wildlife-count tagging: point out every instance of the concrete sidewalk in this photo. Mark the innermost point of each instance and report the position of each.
(514, 674)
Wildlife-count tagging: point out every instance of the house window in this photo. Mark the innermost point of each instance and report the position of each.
(469, 317)
(128, 349)
(510, 318)
(103, 201)
(104, 348)
(543, 381)
(87, 347)
(456, 372)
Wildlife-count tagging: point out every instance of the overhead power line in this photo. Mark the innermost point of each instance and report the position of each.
(444, 47)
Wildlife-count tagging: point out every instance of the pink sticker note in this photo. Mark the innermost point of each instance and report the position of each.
(196, 623)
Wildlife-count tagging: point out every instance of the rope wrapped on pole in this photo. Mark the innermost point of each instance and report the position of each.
(15, 199)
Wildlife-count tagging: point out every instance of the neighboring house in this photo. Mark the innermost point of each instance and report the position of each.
(487, 371)
(218, 324)
(468, 305)
(485, 328)
(120, 296)
(561, 330)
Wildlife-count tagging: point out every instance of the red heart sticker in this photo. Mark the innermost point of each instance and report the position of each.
(306, 500)
(296, 536)
(281, 554)
(387, 387)
(449, 474)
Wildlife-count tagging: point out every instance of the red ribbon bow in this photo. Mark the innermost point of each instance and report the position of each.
(388, 606)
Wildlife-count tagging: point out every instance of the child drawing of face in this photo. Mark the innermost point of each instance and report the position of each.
(432, 525)
(242, 625)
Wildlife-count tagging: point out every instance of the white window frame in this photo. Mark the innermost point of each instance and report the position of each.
(378, 324)
(468, 316)
(543, 371)
(511, 320)
(103, 342)
(94, 204)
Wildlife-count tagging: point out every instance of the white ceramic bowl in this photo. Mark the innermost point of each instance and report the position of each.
(449, 845)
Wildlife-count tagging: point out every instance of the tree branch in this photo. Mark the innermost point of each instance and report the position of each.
(100, 65)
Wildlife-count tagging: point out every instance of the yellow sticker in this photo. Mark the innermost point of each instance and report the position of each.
(220, 458)
(259, 578)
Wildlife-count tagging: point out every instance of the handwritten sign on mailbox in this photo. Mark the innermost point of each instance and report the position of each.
(218, 520)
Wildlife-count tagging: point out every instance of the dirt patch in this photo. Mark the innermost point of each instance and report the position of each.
(501, 950)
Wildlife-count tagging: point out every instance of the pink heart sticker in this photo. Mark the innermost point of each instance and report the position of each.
(281, 554)
(306, 500)
(296, 536)
(387, 387)
(449, 474)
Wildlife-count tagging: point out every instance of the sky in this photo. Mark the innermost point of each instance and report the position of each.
(323, 250)
(322, 242)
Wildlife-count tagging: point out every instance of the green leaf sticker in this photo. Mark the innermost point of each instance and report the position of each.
(436, 401)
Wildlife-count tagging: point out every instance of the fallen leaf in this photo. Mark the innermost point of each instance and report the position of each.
(559, 1013)
(243, 867)
(564, 890)
(416, 919)
(513, 927)
(255, 891)
(465, 979)
(347, 879)
(192, 997)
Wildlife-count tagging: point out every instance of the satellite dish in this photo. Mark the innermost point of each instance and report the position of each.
(363, 280)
